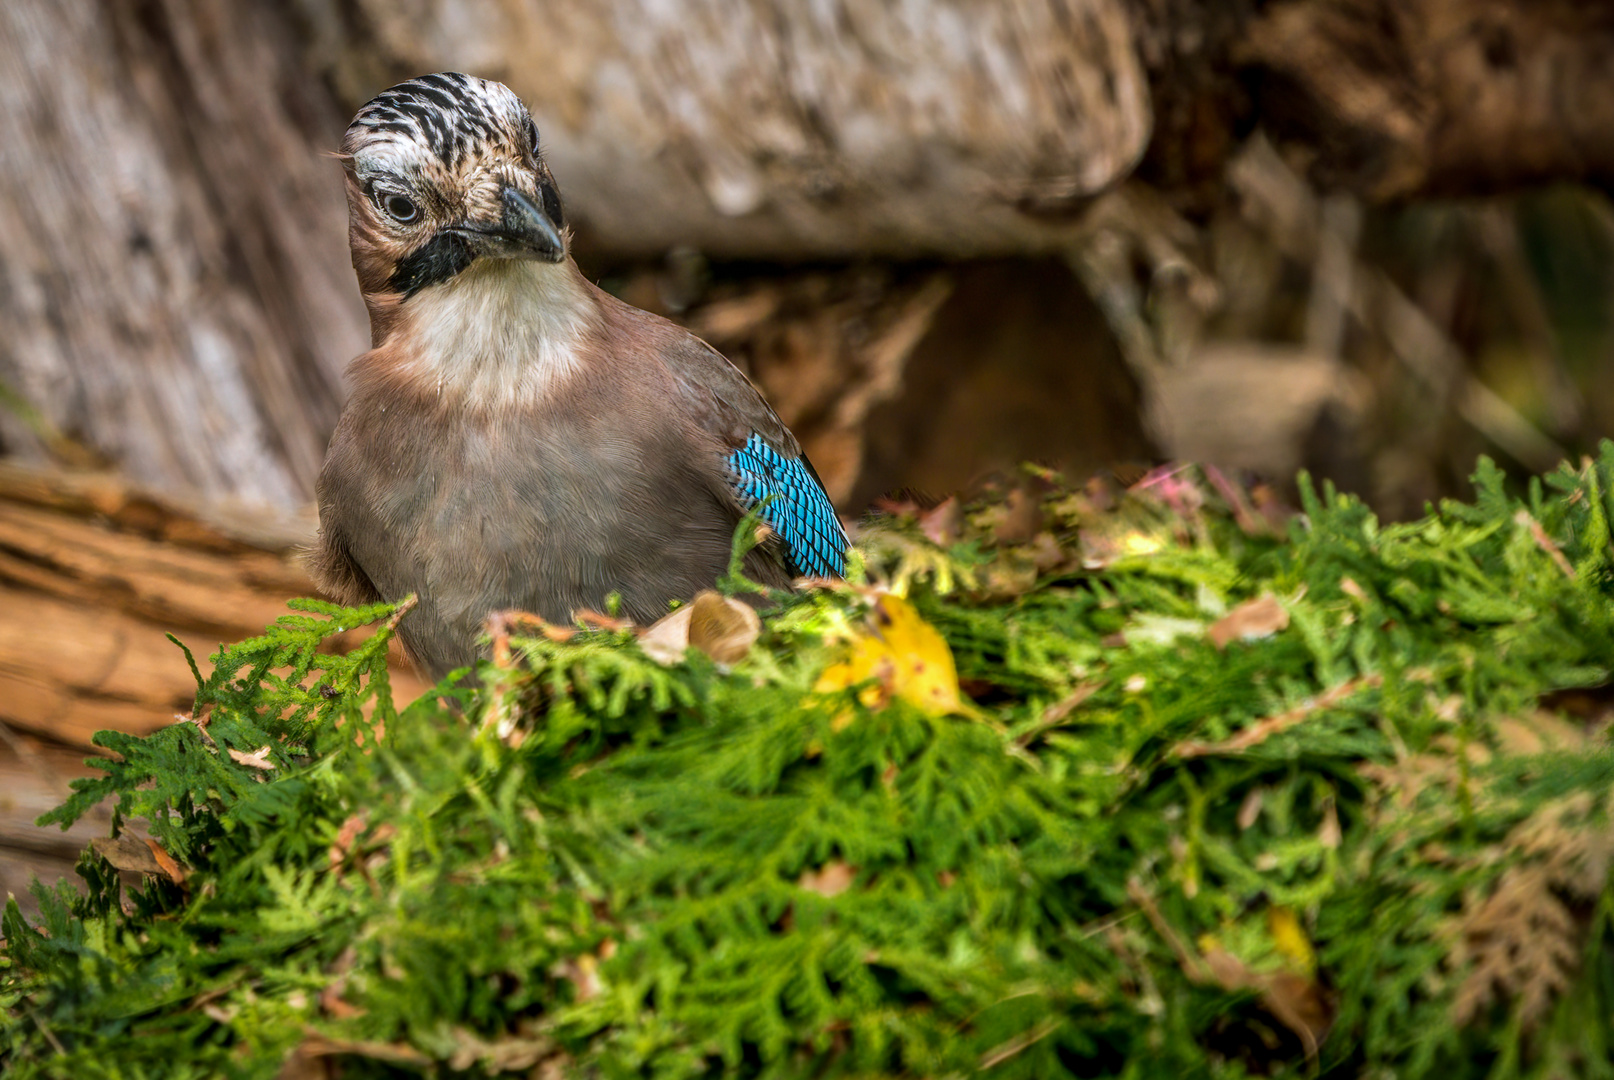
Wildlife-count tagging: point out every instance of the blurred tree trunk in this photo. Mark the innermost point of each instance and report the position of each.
(174, 281)
(174, 289)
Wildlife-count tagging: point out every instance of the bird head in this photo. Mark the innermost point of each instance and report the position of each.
(444, 170)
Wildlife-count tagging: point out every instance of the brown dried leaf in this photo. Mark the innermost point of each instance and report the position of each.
(343, 843)
(1021, 518)
(171, 867)
(1301, 1004)
(829, 880)
(1538, 733)
(1253, 619)
(944, 523)
(1522, 941)
(666, 639)
(584, 973)
(722, 628)
(1519, 942)
(127, 852)
(1409, 776)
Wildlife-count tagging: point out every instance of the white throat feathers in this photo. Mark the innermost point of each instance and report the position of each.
(502, 333)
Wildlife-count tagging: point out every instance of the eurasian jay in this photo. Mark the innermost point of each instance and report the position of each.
(517, 437)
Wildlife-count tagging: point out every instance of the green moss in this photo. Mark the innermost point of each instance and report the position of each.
(1144, 854)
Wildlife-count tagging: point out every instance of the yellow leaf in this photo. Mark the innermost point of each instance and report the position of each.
(1290, 939)
(905, 657)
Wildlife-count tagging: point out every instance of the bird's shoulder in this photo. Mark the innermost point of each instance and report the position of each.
(712, 392)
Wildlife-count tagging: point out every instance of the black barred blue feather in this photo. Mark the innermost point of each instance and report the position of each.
(795, 507)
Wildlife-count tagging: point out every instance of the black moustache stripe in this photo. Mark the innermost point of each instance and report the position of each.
(438, 260)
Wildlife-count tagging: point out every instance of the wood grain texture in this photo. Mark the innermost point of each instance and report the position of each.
(747, 127)
(174, 289)
(93, 574)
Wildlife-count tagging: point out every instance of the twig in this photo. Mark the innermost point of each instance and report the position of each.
(1544, 542)
(1193, 964)
(1432, 356)
(1326, 309)
(1262, 730)
(993, 1058)
(50, 1036)
(1055, 714)
(405, 606)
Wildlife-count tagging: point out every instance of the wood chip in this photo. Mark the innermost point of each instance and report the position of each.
(258, 759)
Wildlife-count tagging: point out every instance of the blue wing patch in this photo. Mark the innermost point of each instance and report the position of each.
(800, 512)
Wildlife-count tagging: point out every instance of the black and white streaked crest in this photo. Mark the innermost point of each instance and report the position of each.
(453, 115)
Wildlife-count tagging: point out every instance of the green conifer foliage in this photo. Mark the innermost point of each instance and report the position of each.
(1224, 797)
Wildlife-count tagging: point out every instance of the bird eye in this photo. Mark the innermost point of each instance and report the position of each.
(400, 208)
(532, 134)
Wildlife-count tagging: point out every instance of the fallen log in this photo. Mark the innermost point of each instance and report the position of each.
(94, 573)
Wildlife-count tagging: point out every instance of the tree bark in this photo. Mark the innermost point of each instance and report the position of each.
(761, 129)
(174, 283)
(94, 572)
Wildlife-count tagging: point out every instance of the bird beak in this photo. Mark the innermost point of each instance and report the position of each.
(523, 231)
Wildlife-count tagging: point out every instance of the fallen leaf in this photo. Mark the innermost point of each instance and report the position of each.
(722, 628)
(335, 1006)
(140, 856)
(666, 639)
(584, 973)
(1290, 939)
(1537, 733)
(831, 879)
(170, 866)
(906, 657)
(343, 843)
(1253, 619)
(1293, 997)
(943, 523)
(1021, 518)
